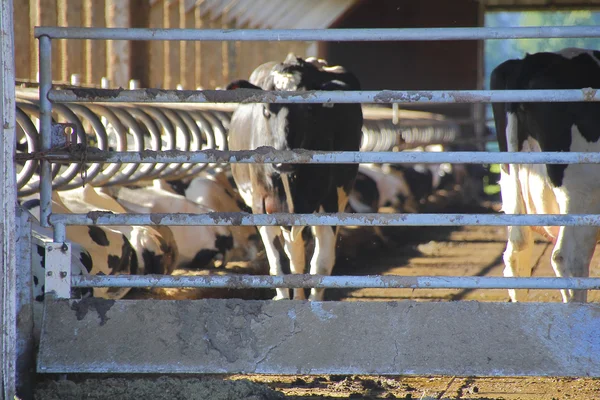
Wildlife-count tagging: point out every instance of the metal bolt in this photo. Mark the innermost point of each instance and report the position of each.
(63, 274)
(64, 247)
(49, 273)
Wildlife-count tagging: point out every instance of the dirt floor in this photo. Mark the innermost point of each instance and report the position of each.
(475, 251)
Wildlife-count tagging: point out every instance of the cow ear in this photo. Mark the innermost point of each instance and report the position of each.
(335, 85)
(241, 84)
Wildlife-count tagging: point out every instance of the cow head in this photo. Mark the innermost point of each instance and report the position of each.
(287, 126)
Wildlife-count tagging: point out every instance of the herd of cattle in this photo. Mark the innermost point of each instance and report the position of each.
(273, 188)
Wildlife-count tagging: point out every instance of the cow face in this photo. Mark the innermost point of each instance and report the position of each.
(292, 126)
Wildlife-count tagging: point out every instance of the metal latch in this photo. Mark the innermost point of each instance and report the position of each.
(63, 135)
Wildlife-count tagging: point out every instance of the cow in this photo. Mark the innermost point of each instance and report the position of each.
(198, 246)
(281, 187)
(156, 252)
(101, 251)
(81, 264)
(549, 188)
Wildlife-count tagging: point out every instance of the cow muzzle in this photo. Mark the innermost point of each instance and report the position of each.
(284, 168)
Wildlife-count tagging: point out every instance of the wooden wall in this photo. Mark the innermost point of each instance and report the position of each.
(158, 64)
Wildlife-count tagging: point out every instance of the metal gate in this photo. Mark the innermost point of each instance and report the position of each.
(291, 337)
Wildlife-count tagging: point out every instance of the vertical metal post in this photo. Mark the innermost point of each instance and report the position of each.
(60, 233)
(8, 197)
(45, 128)
(25, 338)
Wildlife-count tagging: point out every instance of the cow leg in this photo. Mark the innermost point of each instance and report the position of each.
(269, 235)
(575, 245)
(517, 256)
(294, 248)
(323, 258)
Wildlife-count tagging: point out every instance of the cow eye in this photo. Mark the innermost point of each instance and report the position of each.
(266, 112)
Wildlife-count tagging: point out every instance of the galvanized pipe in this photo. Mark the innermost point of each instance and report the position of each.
(267, 155)
(45, 60)
(342, 219)
(337, 35)
(319, 96)
(60, 233)
(333, 282)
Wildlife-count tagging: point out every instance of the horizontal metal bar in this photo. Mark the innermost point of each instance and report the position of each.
(319, 96)
(341, 219)
(338, 35)
(267, 155)
(320, 281)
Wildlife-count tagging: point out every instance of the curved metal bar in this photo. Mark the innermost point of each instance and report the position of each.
(121, 173)
(205, 128)
(32, 108)
(153, 170)
(101, 139)
(224, 119)
(137, 132)
(220, 134)
(65, 180)
(197, 144)
(32, 138)
(183, 141)
(170, 138)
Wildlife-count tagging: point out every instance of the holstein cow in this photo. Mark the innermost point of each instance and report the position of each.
(550, 188)
(198, 246)
(110, 252)
(156, 252)
(81, 264)
(269, 188)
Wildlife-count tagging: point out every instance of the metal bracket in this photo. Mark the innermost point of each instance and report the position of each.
(58, 269)
(63, 135)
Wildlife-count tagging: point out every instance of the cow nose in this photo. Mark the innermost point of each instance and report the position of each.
(283, 168)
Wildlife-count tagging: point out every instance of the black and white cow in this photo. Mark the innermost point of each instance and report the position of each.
(268, 188)
(110, 252)
(198, 246)
(550, 188)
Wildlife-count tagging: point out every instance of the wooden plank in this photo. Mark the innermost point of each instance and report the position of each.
(171, 56)
(118, 51)
(463, 338)
(23, 40)
(44, 13)
(198, 48)
(94, 50)
(157, 51)
(72, 57)
(230, 59)
(187, 48)
(139, 65)
(211, 57)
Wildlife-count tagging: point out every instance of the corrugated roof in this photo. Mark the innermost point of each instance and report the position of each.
(274, 14)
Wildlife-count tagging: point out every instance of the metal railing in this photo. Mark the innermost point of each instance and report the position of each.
(48, 96)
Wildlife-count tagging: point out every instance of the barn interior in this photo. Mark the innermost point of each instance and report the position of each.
(400, 65)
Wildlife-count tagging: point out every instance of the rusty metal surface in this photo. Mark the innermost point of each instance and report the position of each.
(107, 218)
(313, 96)
(267, 155)
(323, 281)
(338, 35)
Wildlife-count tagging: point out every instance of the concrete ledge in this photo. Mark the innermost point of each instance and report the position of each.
(292, 337)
